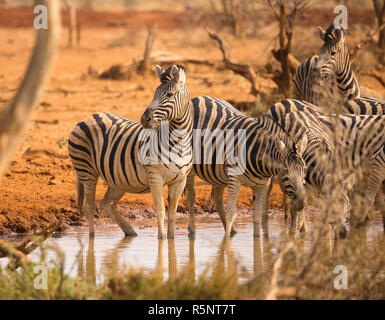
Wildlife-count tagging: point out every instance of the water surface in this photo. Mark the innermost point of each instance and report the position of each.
(110, 251)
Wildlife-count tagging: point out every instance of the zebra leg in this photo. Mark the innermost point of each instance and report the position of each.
(190, 195)
(217, 192)
(109, 204)
(376, 178)
(231, 207)
(90, 207)
(298, 221)
(156, 186)
(260, 194)
(380, 204)
(383, 204)
(174, 192)
(286, 205)
(265, 212)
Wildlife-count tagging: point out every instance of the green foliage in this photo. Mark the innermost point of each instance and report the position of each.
(19, 284)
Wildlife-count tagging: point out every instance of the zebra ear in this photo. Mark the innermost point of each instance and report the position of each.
(327, 183)
(159, 71)
(339, 34)
(321, 33)
(174, 73)
(301, 146)
(182, 77)
(280, 145)
(349, 182)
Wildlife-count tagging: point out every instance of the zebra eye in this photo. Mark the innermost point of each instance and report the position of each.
(169, 94)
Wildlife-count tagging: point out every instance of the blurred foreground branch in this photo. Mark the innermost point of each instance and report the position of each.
(15, 116)
(20, 251)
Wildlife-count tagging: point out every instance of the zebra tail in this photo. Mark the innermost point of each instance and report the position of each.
(80, 189)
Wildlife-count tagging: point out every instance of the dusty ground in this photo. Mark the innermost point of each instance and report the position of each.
(39, 182)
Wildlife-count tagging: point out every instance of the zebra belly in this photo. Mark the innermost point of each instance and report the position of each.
(217, 175)
(170, 173)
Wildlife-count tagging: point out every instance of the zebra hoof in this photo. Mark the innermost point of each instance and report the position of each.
(233, 232)
(161, 237)
(191, 230)
(130, 234)
(191, 235)
(362, 223)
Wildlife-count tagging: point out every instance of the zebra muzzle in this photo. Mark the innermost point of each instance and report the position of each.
(145, 120)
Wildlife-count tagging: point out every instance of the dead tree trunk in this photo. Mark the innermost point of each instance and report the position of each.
(144, 66)
(379, 9)
(285, 13)
(72, 21)
(78, 33)
(15, 116)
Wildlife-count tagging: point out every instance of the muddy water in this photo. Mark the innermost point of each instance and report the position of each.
(110, 251)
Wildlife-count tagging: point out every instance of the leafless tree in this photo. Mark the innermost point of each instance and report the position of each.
(286, 12)
(144, 65)
(72, 26)
(245, 70)
(379, 9)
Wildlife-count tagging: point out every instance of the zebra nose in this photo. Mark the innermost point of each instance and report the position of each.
(145, 120)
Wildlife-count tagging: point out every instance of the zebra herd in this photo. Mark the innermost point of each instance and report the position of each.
(299, 141)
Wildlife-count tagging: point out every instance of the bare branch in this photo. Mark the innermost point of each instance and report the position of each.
(245, 70)
(7, 250)
(275, 292)
(355, 52)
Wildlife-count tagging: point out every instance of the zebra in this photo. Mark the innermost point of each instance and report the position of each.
(268, 152)
(361, 148)
(320, 149)
(330, 70)
(108, 146)
(329, 76)
(360, 143)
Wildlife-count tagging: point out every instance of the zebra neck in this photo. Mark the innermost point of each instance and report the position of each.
(347, 83)
(176, 143)
(185, 121)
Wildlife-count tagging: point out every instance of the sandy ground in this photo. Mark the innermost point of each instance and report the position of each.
(39, 184)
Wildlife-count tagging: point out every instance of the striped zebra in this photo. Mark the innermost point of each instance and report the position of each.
(268, 152)
(329, 73)
(319, 152)
(329, 76)
(111, 147)
(359, 148)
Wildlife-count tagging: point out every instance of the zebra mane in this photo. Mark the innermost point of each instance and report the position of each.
(334, 34)
(168, 76)
(267, 123)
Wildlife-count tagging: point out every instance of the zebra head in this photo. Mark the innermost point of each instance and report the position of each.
(332, 56)
(292, 175)
(341, 206)
(171, 98)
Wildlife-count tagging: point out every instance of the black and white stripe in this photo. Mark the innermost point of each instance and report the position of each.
(269, 152)
(109, 146)
(329, 75)
(318, 154)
